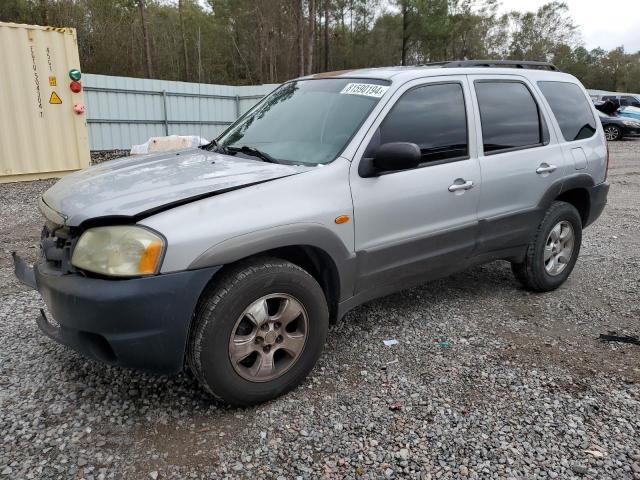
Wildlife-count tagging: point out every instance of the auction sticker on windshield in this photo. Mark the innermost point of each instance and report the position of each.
(368, 89)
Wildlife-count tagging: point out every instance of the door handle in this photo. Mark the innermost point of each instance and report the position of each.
(545, 168)
(461, 186)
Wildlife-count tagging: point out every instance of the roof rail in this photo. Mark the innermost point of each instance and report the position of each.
(501, 63)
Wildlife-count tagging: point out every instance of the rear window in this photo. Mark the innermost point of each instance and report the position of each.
(509, 116)
(571, 108)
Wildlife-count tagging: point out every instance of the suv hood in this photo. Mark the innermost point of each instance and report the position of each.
(138, 186)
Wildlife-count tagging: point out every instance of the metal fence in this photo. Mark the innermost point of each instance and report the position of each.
(125, 111)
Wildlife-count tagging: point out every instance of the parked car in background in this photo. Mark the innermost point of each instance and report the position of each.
(630, 112)
(617, 127)
(625, 99)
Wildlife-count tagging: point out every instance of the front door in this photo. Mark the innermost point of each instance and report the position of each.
(418, 223)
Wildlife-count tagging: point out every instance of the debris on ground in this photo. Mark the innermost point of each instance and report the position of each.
(613, 337)
(595, 453)
(388, 364)
(391, 342)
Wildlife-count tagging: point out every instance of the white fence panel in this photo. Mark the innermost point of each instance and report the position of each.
(124, 111)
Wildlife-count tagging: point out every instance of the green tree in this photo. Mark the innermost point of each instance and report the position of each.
(258, 41)
(536, 34)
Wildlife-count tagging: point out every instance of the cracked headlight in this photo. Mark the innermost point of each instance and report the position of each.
(122, 251)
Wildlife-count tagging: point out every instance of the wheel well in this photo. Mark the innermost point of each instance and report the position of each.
(579, 198)
(320, 266)
(315, 261)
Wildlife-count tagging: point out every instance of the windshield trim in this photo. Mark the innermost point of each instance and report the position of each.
(386, 81)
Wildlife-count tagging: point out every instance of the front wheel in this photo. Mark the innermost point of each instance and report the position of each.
(553, 251)
(258, 332)
(612, 132)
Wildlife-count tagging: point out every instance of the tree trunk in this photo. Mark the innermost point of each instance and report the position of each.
(145, 38)
(300, 13)
(326, 35)
(405, 31)
(261, 49)
(185, 54)
(312, 34)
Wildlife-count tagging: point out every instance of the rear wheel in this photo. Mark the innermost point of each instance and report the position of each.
(553, 251)
(612, 132)
(258, 332)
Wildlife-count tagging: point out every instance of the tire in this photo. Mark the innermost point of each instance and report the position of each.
(543, 270)
(612, 133)
(224, 326)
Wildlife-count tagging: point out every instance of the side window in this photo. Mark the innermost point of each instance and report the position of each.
(509, 115)
(629, 101)
(571, 108)
(433, 117)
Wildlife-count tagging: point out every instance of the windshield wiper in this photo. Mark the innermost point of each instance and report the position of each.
(213, 146)
(254, 152)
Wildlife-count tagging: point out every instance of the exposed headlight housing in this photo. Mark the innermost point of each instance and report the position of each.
(119, 251)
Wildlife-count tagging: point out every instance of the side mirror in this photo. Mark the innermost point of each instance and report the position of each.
(391, 157)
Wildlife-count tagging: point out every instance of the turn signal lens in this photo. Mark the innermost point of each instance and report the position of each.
(342, 219)
(150, 258)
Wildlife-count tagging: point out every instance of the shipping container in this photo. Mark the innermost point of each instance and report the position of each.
(43, 128)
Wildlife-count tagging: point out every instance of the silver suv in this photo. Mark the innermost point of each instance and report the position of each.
(335, 189)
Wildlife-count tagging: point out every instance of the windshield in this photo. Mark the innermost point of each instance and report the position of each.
(307, 121)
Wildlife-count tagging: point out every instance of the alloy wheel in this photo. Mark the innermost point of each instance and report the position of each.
(268, 338)
(611, 133)
(559, 247)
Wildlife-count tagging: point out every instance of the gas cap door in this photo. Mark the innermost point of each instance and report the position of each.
(579, 158)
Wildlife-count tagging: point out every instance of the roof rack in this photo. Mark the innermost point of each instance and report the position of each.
(499, 63)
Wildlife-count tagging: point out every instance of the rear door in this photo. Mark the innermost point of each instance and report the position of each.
(418, 223)
(519, 159)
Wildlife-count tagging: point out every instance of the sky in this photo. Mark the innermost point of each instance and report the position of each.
(602, 23)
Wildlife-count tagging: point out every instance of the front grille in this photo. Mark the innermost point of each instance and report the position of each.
(56, 243)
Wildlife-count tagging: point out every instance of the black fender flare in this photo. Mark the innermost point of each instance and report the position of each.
(290, 235)
(577, 180)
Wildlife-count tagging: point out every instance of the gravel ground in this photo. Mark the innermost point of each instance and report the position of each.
(522, 389)
(99, 156)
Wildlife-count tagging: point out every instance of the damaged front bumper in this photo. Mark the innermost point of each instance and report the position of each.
(24, 272)
(139, 322)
